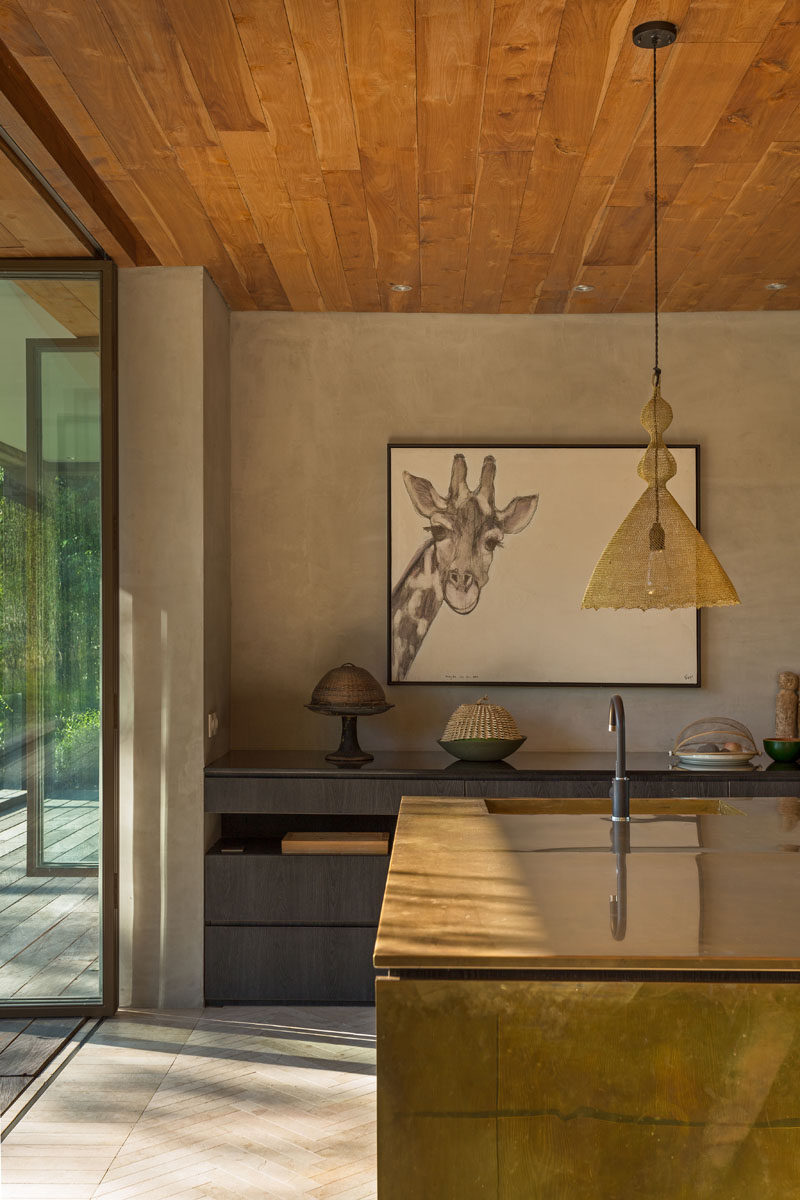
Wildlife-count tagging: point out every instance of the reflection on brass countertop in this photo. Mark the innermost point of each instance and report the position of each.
(524, 884)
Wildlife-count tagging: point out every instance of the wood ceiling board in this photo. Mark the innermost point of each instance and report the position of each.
(258, 175)
(625, 111)
(637, 295)
(523, 40)
(753, 294)
(8, 241)
(87, 291)
(445, 225)
(764, 105)
(622, 238)
(62, 302)
(772, 179)
(452, 49)
(524, 279)
(38, 230)
(349, 213)
(766, 100)
(380, 47)
(578, 82)
(760, 226)
(213, 48)
(393, 210)
(269, 49)
(155, 56)
(381, 60)
(695, 87)
(33, 149)
(319, 47)
(17, 32)
(83, 46)
(720, 21)
(319, 237)
(772, 245)
(577, 233)
(16, 164)
(373, 117)
(680, 239)
(609, 284)
(92, 181)
(197, 242)
(634, 185)
(709, 188)
(498, 196)
(211, 176)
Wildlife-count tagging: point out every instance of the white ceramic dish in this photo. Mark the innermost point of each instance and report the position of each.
(718, 760)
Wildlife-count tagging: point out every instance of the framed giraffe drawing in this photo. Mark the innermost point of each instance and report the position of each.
(490, 548)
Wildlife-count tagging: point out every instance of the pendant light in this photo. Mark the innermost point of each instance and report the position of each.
(657, 558)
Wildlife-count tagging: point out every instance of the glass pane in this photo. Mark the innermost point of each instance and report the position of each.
(50, 640)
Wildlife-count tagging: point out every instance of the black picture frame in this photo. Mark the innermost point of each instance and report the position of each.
(686, 627)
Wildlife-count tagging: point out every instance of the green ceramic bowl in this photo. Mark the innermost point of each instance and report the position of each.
(482, 749)
(785, 750)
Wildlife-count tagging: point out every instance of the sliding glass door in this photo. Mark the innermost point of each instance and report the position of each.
(57, 638)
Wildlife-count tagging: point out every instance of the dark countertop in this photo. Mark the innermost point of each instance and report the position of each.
(434, 764)
(482, 886)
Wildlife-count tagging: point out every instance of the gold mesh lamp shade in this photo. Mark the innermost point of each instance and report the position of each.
(657, 558)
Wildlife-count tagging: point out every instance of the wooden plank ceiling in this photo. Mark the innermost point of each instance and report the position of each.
(489, 155)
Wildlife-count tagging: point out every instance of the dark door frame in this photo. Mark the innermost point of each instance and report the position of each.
(38, 742)
(105, 272)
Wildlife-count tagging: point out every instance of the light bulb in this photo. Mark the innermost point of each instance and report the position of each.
(657, 580)
(657, 573)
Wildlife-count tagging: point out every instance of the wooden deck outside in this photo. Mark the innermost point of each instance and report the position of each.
(26, 1047)
(49, 927)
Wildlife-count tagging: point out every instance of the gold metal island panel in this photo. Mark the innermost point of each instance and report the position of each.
(529, 1090)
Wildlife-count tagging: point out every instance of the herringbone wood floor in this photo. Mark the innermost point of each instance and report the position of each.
(235, 1104)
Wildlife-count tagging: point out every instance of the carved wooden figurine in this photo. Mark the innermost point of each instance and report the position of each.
(786, 706)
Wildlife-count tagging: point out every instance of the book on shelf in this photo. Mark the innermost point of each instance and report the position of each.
(370, 842)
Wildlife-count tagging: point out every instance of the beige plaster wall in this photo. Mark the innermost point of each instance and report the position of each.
(173, 397)
(216, 516)
(316, 397)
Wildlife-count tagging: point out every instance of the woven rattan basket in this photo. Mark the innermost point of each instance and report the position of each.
(348, 686)
(480, 720)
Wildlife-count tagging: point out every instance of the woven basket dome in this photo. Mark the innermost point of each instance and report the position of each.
(348, 685)
(480, 720)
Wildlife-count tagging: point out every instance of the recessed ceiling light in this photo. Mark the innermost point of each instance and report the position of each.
(400, 287)
(775, 287)
(583, 287)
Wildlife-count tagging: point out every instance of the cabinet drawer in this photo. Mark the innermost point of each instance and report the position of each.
(562, 789)
(243, 794)
(335, 889)
(257, 965)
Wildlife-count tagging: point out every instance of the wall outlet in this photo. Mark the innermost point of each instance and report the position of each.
(213, 725)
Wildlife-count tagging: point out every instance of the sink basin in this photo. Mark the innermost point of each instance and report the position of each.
(591, 805)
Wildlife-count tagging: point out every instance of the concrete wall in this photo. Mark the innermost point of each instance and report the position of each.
(316, 397)
(173, 398)
(217, 514)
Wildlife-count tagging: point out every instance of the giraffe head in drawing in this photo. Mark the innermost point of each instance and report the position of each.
(466, 528)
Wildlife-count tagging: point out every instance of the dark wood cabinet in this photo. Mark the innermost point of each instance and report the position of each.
(267, 964)
(301, 928)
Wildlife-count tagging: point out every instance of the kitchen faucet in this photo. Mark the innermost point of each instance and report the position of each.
(620, 788)
(620, 822)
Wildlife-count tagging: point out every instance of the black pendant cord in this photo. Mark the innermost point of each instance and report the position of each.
(656, 368)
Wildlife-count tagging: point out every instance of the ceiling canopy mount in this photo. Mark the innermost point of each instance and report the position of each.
(653, 35)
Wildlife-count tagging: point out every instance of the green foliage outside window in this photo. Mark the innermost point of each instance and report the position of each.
(59, 547)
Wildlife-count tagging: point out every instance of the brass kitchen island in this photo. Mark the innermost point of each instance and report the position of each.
(569, 1017)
